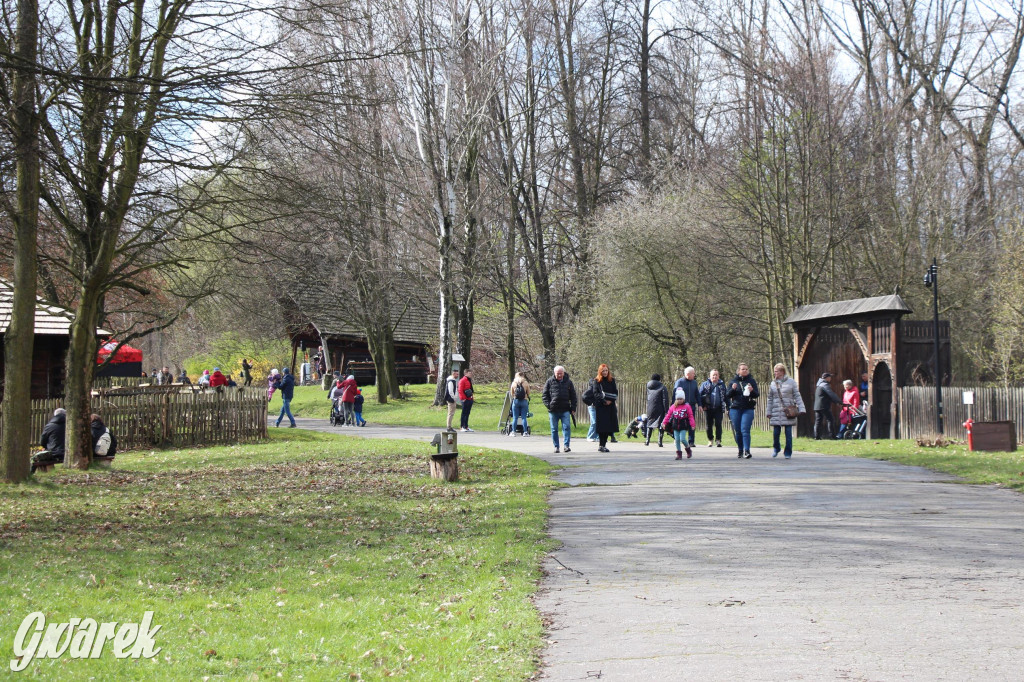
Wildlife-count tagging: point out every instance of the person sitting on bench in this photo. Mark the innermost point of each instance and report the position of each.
(104, 442)
(51, 441)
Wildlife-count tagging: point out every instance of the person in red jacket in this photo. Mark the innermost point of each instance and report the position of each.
(348, 399)
(217, 379)
(466, 396)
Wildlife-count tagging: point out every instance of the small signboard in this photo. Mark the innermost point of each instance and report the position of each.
(968, 397)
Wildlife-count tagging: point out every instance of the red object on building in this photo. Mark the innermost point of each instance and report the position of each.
(125, 353)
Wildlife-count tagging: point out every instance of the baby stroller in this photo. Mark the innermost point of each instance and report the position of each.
(857, 426)
(337, 413)
(505, 424)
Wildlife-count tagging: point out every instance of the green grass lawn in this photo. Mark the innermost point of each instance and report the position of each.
(312, 556)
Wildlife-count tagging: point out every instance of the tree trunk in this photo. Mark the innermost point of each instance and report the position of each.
(375, 341)
(390, 364)
(81, 363)
(464, 320)
(645, 94)
(18, 340)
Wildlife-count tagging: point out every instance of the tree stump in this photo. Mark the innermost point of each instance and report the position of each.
(45, 468)
(445, 467)
(102, 462)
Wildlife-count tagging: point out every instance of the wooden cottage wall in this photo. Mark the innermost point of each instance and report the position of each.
(916, 354)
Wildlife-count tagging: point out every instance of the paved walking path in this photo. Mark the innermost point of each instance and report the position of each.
(817, 568)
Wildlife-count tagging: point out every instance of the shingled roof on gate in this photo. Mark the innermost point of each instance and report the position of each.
(851, 309)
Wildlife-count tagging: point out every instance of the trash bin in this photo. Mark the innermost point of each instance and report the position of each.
(995, 436)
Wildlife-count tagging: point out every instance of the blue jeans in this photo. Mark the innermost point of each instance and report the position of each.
(520, 408)
(554, 418)
(741, 422)
(789, 439)
(592, 431)
(359, 417)
(286, 409)
(681, 442)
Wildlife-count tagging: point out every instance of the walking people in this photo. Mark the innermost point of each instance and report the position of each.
(742, 396)
(691, 389)
(783, 407)
(357, 405)
(466, 396)
(519, 392)
(559, 397)
(285, 383)
(246, 372)
(824, 398)
(657, 408)
(348, 399)
(603, 394)
(680, 421)
(451, 396)
(713, 404)
(272, 383)
(851, 406)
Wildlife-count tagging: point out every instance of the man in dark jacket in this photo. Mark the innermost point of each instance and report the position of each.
(286, 384)
(824, 397)
(713, 404)
(560, 398)
(657, 408)
(691, 389)
(51, 440)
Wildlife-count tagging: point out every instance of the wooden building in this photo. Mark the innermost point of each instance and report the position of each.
(869, 335)
(49, 348)
(315, 321)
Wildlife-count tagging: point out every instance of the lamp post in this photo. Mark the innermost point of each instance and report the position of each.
(931, 280)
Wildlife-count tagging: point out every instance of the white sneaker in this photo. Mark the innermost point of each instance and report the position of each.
(468, 430)
(593, 440)
(463, 430)
(711, 443)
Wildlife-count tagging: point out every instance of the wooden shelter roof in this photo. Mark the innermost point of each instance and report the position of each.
(857, 308)
(415, 308)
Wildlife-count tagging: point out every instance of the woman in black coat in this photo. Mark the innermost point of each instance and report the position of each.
(604, 393)
(657, 408)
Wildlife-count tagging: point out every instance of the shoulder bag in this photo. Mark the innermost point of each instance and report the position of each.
(791, 411)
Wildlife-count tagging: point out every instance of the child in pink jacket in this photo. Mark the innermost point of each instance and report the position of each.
(678, 419)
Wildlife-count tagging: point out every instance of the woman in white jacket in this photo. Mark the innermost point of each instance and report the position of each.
(783, 408)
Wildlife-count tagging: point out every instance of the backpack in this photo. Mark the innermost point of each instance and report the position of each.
(679, 422)
(103, 444)
(520, 392)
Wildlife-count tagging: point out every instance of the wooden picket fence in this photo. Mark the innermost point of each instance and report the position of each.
(171, 416)
(633, 402)
(917, 410)
(99, 383)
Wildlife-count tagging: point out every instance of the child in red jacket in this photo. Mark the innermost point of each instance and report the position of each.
(679, 420)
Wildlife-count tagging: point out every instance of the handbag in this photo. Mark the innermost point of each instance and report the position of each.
(790, 411)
